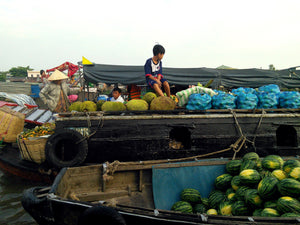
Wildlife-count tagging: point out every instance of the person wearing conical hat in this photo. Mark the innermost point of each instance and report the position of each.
(55, 94)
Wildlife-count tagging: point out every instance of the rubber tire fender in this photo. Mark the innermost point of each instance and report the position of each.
(29, 198)
(66, 136)
(101, 215)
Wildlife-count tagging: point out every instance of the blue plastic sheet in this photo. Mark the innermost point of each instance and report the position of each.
(169, 182)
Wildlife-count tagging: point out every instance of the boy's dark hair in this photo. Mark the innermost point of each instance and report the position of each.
(42, 71)
(117, 89)
(158, 49)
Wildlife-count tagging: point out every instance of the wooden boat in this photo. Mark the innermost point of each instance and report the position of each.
(129, 136)
(180, 133)
(131, 193)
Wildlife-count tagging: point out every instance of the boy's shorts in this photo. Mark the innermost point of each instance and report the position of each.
(152, 82)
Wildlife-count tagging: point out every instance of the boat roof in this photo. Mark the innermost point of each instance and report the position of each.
(231, 78)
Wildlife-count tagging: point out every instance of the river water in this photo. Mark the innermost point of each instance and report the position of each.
(11, 210)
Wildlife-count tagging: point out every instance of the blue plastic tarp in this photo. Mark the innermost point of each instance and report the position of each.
(169, 182)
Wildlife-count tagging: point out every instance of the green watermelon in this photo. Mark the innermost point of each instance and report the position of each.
(289, 187)
(279, 174)
(249, 177)
(253, 199)
(182, 206)
(225, 208)
(257, 212)
(212, 212)
(239, 208)
(248, 164)
(229, 191)
(205, 202)
(215, 198)
(223, 181)
(231, 197)
(251, 155)
(269, 212)
(290, 164)
(265, 173)
(295, 173)
(291, 215)
(190, 195)
(267, 187)
(288, 204)
(235, 182)
(240, 193)
(200, 208)
(233, 166)
(272, 162)
(271, 204)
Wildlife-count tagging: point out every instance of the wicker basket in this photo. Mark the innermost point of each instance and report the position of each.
(11, 124)
(33, 150)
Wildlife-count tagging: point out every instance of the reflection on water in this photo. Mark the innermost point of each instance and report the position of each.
(11, 210)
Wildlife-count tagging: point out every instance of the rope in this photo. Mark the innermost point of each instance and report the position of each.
(100, 125)
(241, 132)
(110, 170)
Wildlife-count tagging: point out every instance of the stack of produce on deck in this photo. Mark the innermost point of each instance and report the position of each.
(251, 186)
(202, 98)
(38, 131)
(265, 97)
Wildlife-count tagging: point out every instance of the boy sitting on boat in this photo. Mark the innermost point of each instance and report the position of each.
(153, 71)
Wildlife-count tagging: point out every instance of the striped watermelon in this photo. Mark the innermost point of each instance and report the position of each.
(200, 208)
(215, 198)
(288, 204)
(249, 177)
(271, 204)
(290, 164)
(257, 212)
(267, 187)
(269, 212)
(279, 174)
(253, 199)
(239, 208)
(223, 181)
(233, 166)
(231, 197)
(251, 156)
(182, 206)
(272, 162)
(212, 212)
(291, 215)
(240, 193)
(295, 173)
(235, 182)
(289, 187)
(248, 164)
(265, 173)
(225, 208)
(190, 195)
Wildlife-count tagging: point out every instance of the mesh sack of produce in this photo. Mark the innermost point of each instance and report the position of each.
(183, 96)
(242, 90)
(246, 101)
(289, 99)
(271, 88)
(223, 101)
(267, 100)
(199, 102)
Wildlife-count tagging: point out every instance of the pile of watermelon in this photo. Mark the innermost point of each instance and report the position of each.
(268, 187)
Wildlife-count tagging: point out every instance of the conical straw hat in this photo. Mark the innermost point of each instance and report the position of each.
(57, 75)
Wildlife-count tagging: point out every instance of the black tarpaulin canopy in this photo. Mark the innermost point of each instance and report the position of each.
(230, 78)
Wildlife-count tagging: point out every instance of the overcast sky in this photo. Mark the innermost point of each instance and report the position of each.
(195, 33)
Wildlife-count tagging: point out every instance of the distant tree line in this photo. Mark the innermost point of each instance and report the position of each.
(19, 71)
